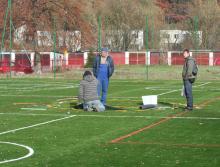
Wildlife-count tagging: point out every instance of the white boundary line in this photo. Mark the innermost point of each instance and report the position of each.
(114, 116)
(181, 89)
(35, 125)
(34, 109)
(125, 91)
(10, 95)
(32, 114)
(34, 84)
(132, 90)
(41, 89)
(37, 96)
(30, 152)
(149, 117)
(2, 82)
(138, 98)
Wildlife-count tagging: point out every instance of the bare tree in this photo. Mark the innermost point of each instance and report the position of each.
(42, 15)
(208, 13)
(124, 20)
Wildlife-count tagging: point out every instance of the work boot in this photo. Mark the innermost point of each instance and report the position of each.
(188, 109)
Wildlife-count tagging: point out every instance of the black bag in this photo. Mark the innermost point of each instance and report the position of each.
(194, 72)
(192, 80)
(195, 69)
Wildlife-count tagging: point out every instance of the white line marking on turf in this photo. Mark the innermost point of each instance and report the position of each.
(37, 109)
(202, 84)
(30, 152)
(35, 125)
(114, 116)
(137, 98)
(181, 89)
(30, 89)
(40, 96)
(67, 99)
(125, 91)
(150, 117)
(31, 114)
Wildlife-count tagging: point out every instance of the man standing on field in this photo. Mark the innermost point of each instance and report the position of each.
(188, 76)
(103, 68)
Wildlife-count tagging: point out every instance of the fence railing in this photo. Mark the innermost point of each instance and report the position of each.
(49, 62)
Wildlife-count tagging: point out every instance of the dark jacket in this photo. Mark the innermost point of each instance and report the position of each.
(88, 89)
(188, 68)
(97, 62)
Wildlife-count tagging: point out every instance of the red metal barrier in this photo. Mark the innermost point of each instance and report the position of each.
(201, 58)
(45, 59)
(154, 58)
(76, 59)
(118, 57)
(137, 58)
(216, 58)
(177, 59)
(5, 64)
(142, 58)
(23, 63)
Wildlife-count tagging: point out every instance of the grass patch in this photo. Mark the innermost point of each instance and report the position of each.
(85, 139)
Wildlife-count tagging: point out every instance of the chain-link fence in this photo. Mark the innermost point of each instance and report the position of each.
(128, 65)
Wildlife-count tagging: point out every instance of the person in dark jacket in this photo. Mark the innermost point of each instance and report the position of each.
(88, 94)
(188, 77)
(103, 68)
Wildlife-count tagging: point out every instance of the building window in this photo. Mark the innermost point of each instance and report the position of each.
(165, 35)
(176, 36)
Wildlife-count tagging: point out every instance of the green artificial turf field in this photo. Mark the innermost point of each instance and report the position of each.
(40, 128)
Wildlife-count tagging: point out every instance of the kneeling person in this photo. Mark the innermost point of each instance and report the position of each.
(88, 93)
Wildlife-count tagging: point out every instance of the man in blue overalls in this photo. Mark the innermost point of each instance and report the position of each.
(103, 68)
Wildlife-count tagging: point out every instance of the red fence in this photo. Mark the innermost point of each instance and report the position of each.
(177, 59)
(45, 60)
(201, 58)
(76, 60)
(4, 64)
(23, 62)
(118, 57)
(137, 58)
(157, 58)
(216, 59)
